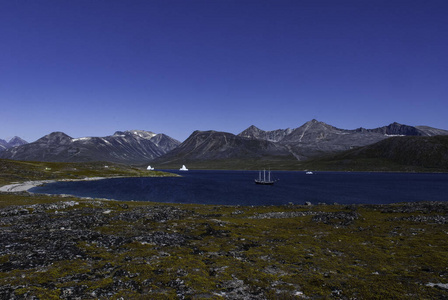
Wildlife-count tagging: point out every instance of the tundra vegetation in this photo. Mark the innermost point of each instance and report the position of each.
(19, 171)
(54, 247)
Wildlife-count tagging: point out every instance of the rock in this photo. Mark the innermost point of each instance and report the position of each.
(443, 286)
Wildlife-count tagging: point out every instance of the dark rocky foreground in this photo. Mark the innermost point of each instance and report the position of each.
(57, 248)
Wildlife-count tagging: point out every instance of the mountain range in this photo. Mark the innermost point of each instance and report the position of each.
(130, 147)
(281, 148)
(206, 149)
(316, 138)
(13, 142)
(252, 147)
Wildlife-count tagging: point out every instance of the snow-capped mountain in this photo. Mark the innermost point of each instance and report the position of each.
(133, 146)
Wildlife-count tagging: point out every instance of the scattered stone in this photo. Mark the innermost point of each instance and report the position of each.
(412, 207)
(283, 215)
(33, 238)
(438, 285)
(162, 239)
(341, 218)
(431, 219)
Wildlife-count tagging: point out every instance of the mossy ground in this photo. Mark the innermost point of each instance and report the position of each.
(285, 252)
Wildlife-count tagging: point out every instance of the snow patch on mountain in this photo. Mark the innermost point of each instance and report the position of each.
(81, 139)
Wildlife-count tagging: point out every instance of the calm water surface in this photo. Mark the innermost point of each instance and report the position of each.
(238, 188)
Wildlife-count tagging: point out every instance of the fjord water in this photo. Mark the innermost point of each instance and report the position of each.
(238, 188)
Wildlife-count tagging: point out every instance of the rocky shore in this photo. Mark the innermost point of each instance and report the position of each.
(69, 248)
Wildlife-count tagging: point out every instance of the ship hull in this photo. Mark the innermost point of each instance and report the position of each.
(264, 182)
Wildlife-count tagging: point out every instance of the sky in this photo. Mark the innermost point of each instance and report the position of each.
(90, 68)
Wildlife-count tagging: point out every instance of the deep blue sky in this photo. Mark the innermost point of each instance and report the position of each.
(89, 68)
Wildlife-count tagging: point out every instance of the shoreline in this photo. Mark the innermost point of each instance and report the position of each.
(27, 185)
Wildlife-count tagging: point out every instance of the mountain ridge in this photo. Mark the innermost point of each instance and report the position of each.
(130, 147)
(315, 138)
(282, 146)
(217, 146)
(394, 128)
(206, 149)
(12, 142)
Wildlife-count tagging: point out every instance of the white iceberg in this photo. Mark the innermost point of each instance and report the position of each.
(149, 168)
(183, 168)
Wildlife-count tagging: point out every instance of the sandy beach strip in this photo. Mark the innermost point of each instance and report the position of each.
(25, 186)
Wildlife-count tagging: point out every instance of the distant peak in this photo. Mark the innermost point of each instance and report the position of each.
(207, 133)
(314, 121)
(55, 137)
(57, 133)
(251, 132)
(16, 139)
(198, 132)
(253, 128)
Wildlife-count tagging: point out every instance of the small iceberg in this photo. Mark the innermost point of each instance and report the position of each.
(309, 173)
(149, 168)
(183, 168)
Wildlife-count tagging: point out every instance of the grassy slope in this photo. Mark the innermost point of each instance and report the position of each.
(408, 154)
(19, 171)
(234, 164)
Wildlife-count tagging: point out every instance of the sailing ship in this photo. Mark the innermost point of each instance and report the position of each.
(264, 180)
